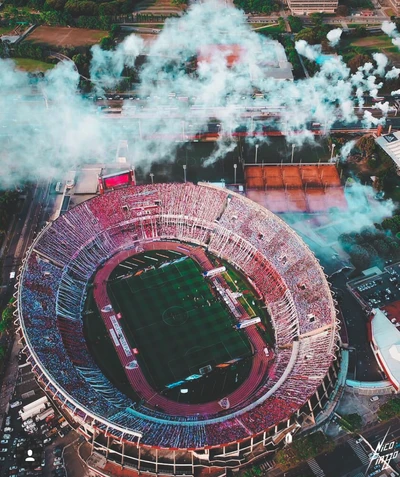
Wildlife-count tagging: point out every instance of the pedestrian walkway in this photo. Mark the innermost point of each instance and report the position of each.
(267, 465)
(315, 468)
(360, 452)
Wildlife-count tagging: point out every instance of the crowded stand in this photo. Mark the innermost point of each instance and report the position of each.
(67, 253)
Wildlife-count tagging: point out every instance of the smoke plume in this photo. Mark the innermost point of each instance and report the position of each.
(206, 63)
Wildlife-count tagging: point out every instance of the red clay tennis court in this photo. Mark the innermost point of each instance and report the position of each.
(309, 188)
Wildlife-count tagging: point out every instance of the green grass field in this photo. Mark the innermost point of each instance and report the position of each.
(27, 64)
(178, 326)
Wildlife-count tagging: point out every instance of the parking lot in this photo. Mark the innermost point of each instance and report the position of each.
(380, 290)
(30, 426)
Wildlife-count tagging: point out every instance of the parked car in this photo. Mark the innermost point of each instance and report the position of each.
(8, 420)
(8, 429)
(6, 436)
(15, 404)
(4, 449)
(374, 398)
(47, 440)
(4, 441)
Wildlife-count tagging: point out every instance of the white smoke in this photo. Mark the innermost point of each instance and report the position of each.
(334, 36)
(381, 62)
(311, 52)
(61, 129)
(390, 29)
(393, 73)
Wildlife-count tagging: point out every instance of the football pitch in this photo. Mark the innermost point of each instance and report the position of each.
(176, 323)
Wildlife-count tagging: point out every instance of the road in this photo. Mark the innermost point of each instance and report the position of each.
(36, 209)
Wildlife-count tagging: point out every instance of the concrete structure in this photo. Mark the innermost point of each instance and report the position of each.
(289, 395)
(385, 342)
(305, 7)
(390, 143)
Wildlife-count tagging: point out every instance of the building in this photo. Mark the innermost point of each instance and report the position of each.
(163, 436)
(390, 143)
(305, 7)
(385, 343)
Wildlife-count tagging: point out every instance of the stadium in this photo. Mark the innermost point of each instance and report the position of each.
(173, 240)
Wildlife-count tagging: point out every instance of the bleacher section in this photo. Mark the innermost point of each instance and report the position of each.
(66, 255)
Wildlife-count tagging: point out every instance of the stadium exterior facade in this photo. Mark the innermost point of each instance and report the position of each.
(52, 291)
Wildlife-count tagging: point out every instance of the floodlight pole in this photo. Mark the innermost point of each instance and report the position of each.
(234, 172)
(152, 177)
(293, 146)
(184, 172)
(256, 154)
(333, 147)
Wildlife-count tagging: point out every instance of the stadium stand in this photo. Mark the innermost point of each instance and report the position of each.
(96, 235)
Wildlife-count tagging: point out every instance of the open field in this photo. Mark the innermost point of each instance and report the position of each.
(64, 36)
(369, 44)
(5, 30)
(174, 320)
(27, 64)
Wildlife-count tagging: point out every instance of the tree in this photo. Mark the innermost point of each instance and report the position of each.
(360, 257)
(389, 409)
(106, 43)
(342, 10)
(357, 61)
(295, 23)
(360, 31)
(352, 422)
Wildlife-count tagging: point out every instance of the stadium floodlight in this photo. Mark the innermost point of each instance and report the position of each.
(293, 147)
(184, 172)
(152, 177)
(256, 154)
(333, 147)
(234, 172)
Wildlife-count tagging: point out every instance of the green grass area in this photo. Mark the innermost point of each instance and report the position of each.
(5, 30)
(368, 45)
(27, 64)
(270, 29)
(172, 317)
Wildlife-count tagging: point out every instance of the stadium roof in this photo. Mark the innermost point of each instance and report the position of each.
(390, 143)
(386, 338)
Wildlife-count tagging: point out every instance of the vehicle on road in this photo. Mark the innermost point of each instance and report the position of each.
(15, 404)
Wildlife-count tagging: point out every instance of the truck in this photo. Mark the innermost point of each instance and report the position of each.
(32, 412)
(70, 179)
(43, 415)
(33, 404)
(51, 432)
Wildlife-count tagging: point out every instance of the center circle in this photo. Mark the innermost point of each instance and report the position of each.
(174, 316)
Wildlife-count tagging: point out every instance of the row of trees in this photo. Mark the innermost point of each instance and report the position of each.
(389, 410)
(303, 449)
(7, 316)
(76, 8)
(258, 6)
(372, 244)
